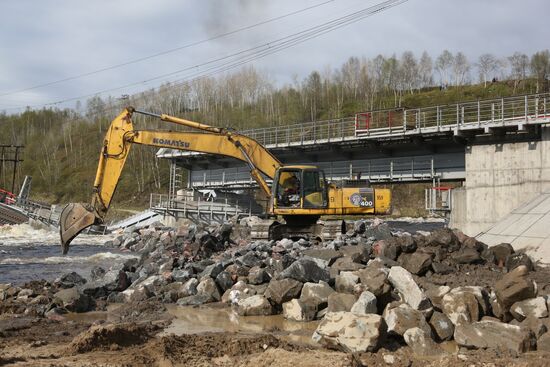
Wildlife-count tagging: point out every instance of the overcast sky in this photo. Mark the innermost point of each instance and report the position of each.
(45, 41)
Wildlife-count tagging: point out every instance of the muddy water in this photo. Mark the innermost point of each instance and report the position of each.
(196, 320)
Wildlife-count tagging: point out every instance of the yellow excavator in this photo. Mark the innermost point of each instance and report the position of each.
(299, 193)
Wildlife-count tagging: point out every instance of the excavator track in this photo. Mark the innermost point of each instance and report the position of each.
(320, 231)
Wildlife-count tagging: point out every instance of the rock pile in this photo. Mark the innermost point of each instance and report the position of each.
(365, 286)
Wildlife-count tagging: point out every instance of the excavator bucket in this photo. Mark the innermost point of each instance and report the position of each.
(73, 220)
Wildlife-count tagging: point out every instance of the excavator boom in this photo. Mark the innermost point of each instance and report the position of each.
(117, 143)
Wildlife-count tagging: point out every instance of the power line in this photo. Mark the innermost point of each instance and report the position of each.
(166, 52)
(245, 56)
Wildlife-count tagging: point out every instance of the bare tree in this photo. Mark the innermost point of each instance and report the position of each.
(487, 65)
(461, 68)
(425, 70)
(443, 65)
(409, 71)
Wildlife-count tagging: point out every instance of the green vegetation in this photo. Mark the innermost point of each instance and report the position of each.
(62, 146)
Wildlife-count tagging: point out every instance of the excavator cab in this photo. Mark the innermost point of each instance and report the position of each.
(300, 187)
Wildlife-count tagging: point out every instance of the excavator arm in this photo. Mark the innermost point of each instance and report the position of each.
(116, 146)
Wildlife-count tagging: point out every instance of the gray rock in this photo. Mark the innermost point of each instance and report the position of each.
(375, 278)
(441, 325)
(359, 226)
(180, 275)
(365, 304)
(442, 268)
(403, 317)
(207, 286)
(494, 335)
(407, 288)
(316, 293)
(189, 288)
(211, 271)
(357, 253)
(224, 280)
(340, 302)
(69, 280)
(258, 275)
(417, 263)
(344, 264)
(346, 281)
(514, 287)
(328, 256)
(421, 342)
(249, 259)
(281, 291)
(297, 310)
(379, 232)
(435, 294)
(534, 307)
(500, 253)
(256, 305)
(351, 333)
(467, 256)
(515, 260)
(386, 248)
(194, 300)
(73, 300)
(461, 307)
(304, 270)
(543, 344)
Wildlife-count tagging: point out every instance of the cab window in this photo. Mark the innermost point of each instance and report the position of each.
(314, 189)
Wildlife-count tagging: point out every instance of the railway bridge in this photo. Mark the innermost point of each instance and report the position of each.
(497, 147)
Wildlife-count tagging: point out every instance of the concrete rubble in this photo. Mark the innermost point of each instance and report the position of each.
(366, 287)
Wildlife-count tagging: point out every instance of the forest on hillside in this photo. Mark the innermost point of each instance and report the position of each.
(62, 145)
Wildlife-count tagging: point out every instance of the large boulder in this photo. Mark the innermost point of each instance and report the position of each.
(435, 294)
(403, 282)
(73, 300)
(402, 318)
(340, 302)
(494, 335)
(346, 281)
(305, 270)
(442, 326)
(281, 291)
(365, 304)
(534, 307)
(351, 333)
(70, 280)
(254, 306)
(325, 255)
(514, 287)
(461, 307)
(417, 263)
(421, 342)
(375, 278)
(316, 293)
(208, 287)
(297, 310)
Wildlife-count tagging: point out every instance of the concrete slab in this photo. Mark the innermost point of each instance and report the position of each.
(540, 228)
(543, 206)
(529, 206)
(504, 224)
(526, 228)
(522, 224)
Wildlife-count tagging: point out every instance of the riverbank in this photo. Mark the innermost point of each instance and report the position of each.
(207, 295)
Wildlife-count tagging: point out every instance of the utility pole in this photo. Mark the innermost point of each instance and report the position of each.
(10, 154)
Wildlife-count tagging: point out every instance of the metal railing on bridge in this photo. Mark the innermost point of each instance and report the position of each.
(211, 210)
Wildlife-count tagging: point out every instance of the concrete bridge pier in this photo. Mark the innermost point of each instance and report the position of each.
(500, 178)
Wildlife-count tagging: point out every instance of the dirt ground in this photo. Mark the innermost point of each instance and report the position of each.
(28, 341)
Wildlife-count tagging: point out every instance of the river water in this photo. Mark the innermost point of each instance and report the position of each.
(31, 253)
